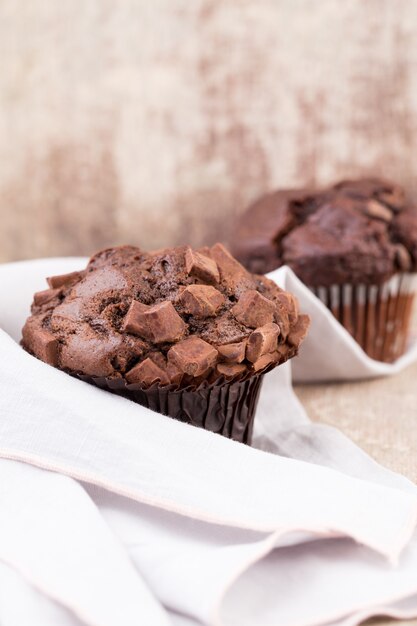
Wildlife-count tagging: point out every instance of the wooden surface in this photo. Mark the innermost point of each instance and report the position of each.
(379, 415)
(156, 121)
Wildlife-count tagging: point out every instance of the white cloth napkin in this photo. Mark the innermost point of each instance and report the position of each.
(113, 514)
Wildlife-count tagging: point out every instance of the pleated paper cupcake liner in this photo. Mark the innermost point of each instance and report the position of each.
(226, 407)
(377, 316)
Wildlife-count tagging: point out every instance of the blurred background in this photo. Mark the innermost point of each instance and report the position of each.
(155, 122)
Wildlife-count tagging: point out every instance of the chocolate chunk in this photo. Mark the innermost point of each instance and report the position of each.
(403, 258)
(159, 323)
(193, 356)
(262, 341)
(201, 300)
(147, 373)
(286, 312)
(159, 359)
(299, 331)
(265, 360)
(233, 352)
(233, 275)
(288, 303)
(42, 297)
(63, 280)
(133, 322)
(283, 320)
(230, 370)
(253, 309)
(395, 198)
(377, 210)
(41, 343)
(201, 266)
(174, 373)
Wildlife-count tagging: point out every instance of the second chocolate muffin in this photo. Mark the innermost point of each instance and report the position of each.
(188, 333)
(354, 244)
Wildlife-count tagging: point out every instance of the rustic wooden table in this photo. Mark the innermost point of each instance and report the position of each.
(379, 415)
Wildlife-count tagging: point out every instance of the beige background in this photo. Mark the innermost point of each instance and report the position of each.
(156, 121)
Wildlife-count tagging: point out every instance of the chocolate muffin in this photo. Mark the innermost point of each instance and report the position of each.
(187, 333)
(354, 244)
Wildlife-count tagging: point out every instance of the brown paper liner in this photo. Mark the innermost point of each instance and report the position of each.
(377, 316)
(223, 407)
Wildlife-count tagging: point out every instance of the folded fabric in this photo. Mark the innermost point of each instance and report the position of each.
(112, 512)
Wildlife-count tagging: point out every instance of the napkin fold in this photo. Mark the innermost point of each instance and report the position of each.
(53, 535)
(172, 524)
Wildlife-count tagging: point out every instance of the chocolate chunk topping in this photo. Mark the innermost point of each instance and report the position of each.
(299, 331)
(173, 316)
(159, 323)
(63, 280)
(41, 343)
(42, 297)
(147, 372)
(286, 312)
(193, 356)
(395, 198)
(233, 352)
(253, 309)
(263, 340)
(379, 211)
(158, 358)
(201, 300)
(201, 266)
(230, 370)
(233, 275)
(265, 360)
(174, 373)
(289, 304)
(134, 322)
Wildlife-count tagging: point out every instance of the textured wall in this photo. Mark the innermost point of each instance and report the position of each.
(156, 121)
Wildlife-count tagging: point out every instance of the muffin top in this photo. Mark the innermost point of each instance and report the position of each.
(175, 316)
(360, 231)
